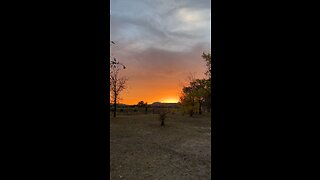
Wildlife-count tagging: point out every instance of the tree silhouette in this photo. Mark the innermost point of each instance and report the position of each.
(198, 93)
(207, 58)
(117, 83)
(141, 104)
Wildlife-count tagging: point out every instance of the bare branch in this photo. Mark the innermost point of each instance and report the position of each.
(117, 83)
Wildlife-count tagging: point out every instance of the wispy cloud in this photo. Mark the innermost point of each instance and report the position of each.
(160, 38)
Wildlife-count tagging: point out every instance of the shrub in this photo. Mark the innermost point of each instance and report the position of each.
(162, 116)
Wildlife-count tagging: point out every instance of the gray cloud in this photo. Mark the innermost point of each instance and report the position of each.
(160, 40)
(177, 25)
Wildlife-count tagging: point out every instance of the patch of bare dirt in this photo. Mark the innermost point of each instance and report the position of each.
(141, 149)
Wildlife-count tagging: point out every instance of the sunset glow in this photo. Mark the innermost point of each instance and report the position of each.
(161, 43)
(170, 100)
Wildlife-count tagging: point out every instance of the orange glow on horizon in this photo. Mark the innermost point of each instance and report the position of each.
(158, 83)
(151, 87)
(167, 98)
(170, 100)
(160, 58)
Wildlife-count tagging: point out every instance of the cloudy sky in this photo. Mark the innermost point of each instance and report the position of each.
(160, 42)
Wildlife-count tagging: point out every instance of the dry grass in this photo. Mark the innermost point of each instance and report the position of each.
(141, 149)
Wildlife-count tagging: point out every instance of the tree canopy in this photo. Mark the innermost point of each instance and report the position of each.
(198, 93)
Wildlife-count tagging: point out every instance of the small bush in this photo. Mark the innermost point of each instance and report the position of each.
(162, 116)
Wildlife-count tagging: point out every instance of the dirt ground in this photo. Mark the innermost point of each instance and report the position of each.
(141, 149)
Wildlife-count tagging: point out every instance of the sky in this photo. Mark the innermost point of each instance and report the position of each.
(161, 43)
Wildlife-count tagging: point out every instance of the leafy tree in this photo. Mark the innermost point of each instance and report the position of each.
(207, 58)
(140, 104)
(207, 97)
(198, 92)
(188, 100)
(194, 96)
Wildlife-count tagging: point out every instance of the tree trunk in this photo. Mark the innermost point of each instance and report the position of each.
(200, 104)
(115, 106)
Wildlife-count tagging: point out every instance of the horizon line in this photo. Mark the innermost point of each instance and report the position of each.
(149, 103)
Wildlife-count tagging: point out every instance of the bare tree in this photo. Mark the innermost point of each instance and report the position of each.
(117, 83)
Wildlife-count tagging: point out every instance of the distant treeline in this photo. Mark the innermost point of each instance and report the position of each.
(134, 109)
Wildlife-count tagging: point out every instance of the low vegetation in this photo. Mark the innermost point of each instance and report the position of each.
(141, 149)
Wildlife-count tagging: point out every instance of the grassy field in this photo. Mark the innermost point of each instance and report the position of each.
(141, 149)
